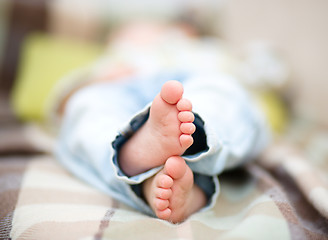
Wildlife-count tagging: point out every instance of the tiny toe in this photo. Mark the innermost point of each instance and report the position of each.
(175, 167)
(172, 91)
(164, 181)
(164, 214)
(163, 193)
(187, 128)
(161, 204)
(186, 140)
(184, 105)
(186, 116)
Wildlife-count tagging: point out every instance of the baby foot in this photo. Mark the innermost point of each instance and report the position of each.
(167, 132)
(171, 193)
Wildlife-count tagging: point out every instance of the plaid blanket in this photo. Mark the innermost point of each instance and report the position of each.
(281, 196)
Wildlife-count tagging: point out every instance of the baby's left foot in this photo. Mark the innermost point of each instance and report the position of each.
(172, 194)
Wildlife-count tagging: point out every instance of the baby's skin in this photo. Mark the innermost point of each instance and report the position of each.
(165, 136)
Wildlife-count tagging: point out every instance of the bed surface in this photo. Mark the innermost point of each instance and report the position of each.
(281, 196)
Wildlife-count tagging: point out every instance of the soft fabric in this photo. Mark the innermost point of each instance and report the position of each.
(270, 200)
(44, 60)
(253, 204)
(274, 108)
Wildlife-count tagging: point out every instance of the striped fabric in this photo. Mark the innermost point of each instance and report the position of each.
(52, 204)
(281, 196)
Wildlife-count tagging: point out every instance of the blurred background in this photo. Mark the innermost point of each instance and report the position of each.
(30, 48)
(279, 48)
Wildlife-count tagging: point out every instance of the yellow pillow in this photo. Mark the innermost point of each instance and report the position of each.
(274, 109)
(44, 60)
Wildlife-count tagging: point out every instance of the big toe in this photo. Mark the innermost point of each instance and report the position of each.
(175, 167)
(172, 91)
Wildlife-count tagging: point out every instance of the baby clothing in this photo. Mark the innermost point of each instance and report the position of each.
(101, 117)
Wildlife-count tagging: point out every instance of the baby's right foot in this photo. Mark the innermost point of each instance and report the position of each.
(166, 133)
(172, 194)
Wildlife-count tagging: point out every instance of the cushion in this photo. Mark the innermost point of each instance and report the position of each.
(44, 60)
